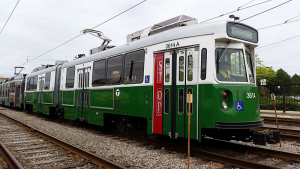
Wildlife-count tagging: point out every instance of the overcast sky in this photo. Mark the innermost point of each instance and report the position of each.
(37, 26)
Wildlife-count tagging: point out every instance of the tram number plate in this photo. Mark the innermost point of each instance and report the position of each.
(250, 95)
(172, 45)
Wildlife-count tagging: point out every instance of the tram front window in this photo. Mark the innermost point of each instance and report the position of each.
(230, 66)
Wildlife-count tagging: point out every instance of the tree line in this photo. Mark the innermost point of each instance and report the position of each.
(273, 77)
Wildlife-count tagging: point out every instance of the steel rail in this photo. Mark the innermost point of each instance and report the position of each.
(83, 153)
(281, 120)
(290, 137)
(196, 152)
(254, 149)
(9, 158)
(282, 130)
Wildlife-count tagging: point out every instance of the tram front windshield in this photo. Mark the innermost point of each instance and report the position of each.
(230, 65)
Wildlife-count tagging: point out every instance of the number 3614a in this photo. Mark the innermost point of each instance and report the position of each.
(250, 95)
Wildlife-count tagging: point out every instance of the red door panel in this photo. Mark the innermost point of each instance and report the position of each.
(158, 93)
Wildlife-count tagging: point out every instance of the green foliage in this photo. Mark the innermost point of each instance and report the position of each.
(296, 79)
(263, 72)
(282, 77)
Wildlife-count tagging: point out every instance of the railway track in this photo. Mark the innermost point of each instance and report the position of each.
(25, 147)
(288, 127)
(261, 153)
(232, 160)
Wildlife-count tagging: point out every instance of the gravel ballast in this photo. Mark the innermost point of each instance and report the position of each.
(109, 147)
(130, 153)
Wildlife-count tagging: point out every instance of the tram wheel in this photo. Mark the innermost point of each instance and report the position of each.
(120, 125)
(152, 136)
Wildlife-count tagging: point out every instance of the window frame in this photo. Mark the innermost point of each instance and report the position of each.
(202, 57)
(105, 73)
(252, 71)
(73, 78)
(45, 84)
(124, 66)
(215, 68)
(121, 73)
(28, 84)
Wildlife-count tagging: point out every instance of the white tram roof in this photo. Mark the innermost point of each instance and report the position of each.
(211, 28)
(47, 70)
(218, 29)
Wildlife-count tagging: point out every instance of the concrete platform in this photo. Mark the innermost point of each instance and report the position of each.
(287, 114)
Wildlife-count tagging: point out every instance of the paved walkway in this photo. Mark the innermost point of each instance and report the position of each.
(287, 114)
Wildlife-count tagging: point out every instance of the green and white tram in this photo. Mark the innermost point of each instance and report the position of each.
(146, 82)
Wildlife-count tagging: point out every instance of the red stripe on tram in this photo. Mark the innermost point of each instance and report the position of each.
(158, 93)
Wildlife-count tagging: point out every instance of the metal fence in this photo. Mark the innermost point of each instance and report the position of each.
(287, 97)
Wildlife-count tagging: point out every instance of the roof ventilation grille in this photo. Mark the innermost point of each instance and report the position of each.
(179, 21)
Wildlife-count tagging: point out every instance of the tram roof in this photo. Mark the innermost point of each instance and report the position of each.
(209, 28)
(47, 70)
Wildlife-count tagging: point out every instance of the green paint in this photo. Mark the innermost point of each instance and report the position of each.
(48, 97)
(102, 98)
(68, 98)
(210, 101)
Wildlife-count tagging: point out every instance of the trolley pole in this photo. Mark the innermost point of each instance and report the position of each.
(276, 116)
(189, 130)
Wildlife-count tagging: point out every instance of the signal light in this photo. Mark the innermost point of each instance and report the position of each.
(224, 95)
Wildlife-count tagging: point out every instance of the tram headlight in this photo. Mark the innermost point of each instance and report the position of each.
(224, 105)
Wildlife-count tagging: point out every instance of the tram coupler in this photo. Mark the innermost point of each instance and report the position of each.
(264, 137)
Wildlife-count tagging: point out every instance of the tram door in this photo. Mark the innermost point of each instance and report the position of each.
(83, 93)
(180, 74)
(41, 94)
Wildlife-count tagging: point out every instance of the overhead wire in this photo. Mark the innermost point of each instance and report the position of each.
(278, 42)
(265, 11)
(236, 11)
(278, 24)
(292, 18)
(245, 4)
(82, 34)
(9, 16)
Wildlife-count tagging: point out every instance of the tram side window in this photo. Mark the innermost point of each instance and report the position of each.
(180, 101)
(47, 81)
(33, 83)
(28, 84)
(70, 77)
(250, 67)
(203, 63)
(87, 79)
(181, 68)
(114, 70)
(134, 67)
(167, 66)
(190, 67)
(99, 77)
(167, 101)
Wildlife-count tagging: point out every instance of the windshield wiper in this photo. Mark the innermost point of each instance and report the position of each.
(224, 51)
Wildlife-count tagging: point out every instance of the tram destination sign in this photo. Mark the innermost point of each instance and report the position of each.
(242, 32)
